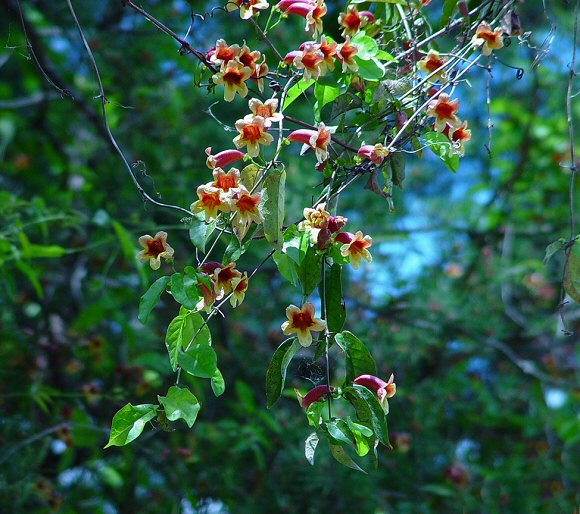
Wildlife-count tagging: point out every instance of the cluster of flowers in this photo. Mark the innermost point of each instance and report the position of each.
(227, 194)
(323, 226)
(445, 110)
(237, 66)
(221, 281)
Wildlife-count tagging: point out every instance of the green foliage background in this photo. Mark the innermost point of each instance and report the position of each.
(457, 302)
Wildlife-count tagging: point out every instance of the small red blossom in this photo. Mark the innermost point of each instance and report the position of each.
(315, 139)
(223, 158)
(346, 53)
(383, 389)
(316, 394)
(155, 248)
(376, 153)
(433, 62)
(352, 20)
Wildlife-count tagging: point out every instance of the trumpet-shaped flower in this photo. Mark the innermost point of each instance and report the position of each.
(315, 220)
(314, 395)
(246, 207)
(223, 277)
(352, 20)
(489, 40)
(302, 322)
(433, 62)
(346, 53)
(458, 136)
(376, 153)
(313, 12)
(315, 139)
(225, 181)
(266, 109)
(355, 247)
(253, 132)
(233, 77)
(223, 53)
(239, 288)
(247, 7)
(211, 202)
(444, 111)
(222, 159)
(311, 60)
(383, 389)
(155, 248)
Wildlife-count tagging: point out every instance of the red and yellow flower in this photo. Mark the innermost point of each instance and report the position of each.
(315, 220)
(346, 53)
(433, 62)
(211, 202)
(246, 206)
(225, 181)
(302, 321)
(489, 40)
(233, 76)
(444, 110)
(222, 53)
(458, 136)
(266, 109)
(312, 11)
(253, 132)
(355, 247)
(239, 288)
(352, 20)
(384, 390)
(155, 248)
(316, 139)
(223, 158)
(247, 7)
(311, 60)
(375, 153)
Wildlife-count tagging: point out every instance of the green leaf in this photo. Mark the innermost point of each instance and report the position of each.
(367, 46)
(368, 410)
(335, 308)
(449, 7)
(309, 271)
(572, 274)
(200, 361)
(554, 248)
(310, 447)
(272, 206)
(295, 91)
(276, 374)
(33, 251)
(359, 361)
(340, 455)
(126, 243)
(151, 298)
(371, 69)
(286, 267)
(200, 231)
(340, 431)
(182, 330)
(180, 403)
(384, 56)
(441, 146)
(249, 176)
(397, 163)
(184, 290)
(218, 384)
(32, 276)
(129, 422)
(361, 436)
(324, 95)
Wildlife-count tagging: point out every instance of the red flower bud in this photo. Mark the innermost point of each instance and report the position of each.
(314, 395)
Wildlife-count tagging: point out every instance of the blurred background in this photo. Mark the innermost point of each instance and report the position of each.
(457, 302)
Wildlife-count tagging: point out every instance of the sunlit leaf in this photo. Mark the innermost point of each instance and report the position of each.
(151, 298)
(129, 422)
(180, 403)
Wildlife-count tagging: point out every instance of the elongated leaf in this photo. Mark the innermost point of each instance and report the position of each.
(286, 267)
(295, 91)
(32, 276)
(572, 275)
(200, 361)
(34, 251)
(340, 455)
(218, 384)
(359, 361)
(276, 374)
(179, 334)
(129, 422)
(310, 447)
(151, 298)
(324, 95)
(309, 271)
(335, 308)
(272, 206)
(249, 176)
(200, 231)
(368, 410)
(180, 403)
